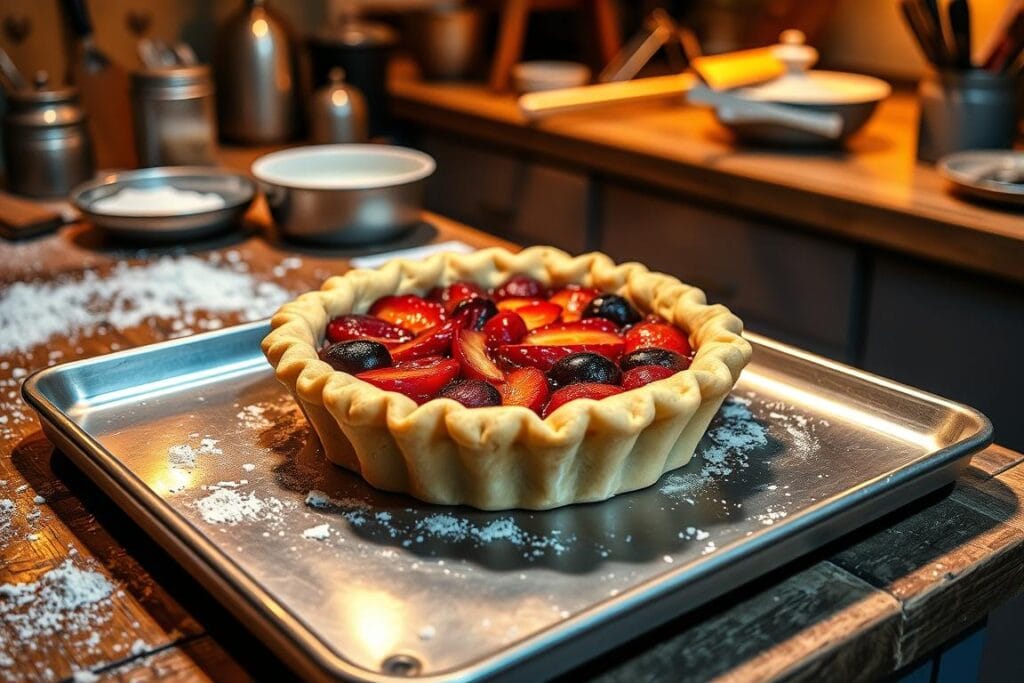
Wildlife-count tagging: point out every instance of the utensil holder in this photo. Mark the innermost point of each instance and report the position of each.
(965, 109)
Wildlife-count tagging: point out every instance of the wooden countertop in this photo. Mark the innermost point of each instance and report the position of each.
(874, 192)
(867, 605)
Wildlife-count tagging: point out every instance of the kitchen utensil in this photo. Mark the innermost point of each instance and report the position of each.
(256, 77)
(14, 78)
(48, 150)
(736, 69)
(1008, 49)
(834, 98)
(989, 175)
(104, 88)
(965, 109)
(924, 32)
(960, 28)
(549, 75)
(1011, 9)
(21, 218)
(363, 50)
(747, 69)
(347, 582)
(175, 116)
(658, 31)
(767, 119)
(445, 40)
(538, 105)
(236, 189)
(149, 53)
(344, 194)
(185, 54)
(338, 112)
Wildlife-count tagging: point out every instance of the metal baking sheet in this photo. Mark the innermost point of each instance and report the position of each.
(201, 445)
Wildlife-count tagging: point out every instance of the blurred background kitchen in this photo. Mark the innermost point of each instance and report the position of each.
(832, 227)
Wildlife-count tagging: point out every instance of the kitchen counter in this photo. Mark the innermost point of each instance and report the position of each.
(872, 193)
(866, 606)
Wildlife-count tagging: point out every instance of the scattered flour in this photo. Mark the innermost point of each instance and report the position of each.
(228, 506)
(318, 532)
(84, 677)
(251, 417)
(67, 598)
(184, 456)
(187, 290)
(248, 467)
(427, 632)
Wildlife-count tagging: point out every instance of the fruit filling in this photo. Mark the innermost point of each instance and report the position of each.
(519, 344)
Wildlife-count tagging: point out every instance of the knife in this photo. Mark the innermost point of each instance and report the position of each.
(960, 27)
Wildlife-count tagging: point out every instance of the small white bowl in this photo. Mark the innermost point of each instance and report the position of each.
(549, 75)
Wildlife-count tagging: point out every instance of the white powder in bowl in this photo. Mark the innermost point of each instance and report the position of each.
(157, 201)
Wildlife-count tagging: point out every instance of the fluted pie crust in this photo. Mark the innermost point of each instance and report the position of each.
(507, 457)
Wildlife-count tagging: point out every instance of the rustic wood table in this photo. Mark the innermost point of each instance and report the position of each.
(864, 607)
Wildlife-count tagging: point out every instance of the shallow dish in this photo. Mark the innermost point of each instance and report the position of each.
(976, 174)
(507, 457)
(549, 75)
(236, 189)
(344, 194)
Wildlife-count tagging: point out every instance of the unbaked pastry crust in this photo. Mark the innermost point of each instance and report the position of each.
(508, 457)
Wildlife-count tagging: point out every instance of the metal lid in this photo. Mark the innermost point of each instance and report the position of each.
(172, 77)
(41, 93)
(801, 85)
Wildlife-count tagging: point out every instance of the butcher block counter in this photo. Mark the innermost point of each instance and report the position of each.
(105, 599)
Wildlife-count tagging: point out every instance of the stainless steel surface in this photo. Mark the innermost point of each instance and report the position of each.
(236, 189)
(47, 146)
(965, 110)
(445, 40)
(175, 116)
(338, 112)
(344, 194)
(804, 451)
(256, 76)
(852, 118)
(989, 175)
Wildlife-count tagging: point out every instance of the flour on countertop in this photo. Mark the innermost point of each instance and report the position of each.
(318, 532)
(65, 599)
(251, 416)
(187, 290)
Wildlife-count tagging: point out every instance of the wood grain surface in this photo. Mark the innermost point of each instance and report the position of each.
(868, 606)
(872, 192)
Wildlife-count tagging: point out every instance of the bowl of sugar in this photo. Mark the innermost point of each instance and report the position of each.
(165, 204)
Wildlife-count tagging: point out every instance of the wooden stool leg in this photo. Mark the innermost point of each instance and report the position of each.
(606, 25)
(510, 42)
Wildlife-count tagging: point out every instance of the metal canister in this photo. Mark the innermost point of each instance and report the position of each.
(338, 112)
(175, 116)
(48, 150)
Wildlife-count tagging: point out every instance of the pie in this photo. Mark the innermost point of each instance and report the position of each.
(508, 380)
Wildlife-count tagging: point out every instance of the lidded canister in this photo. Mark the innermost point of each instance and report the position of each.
(48, 151)
(338, 112)
(175, 116)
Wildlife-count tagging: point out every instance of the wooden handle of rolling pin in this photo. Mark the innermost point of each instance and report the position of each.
(537, 105)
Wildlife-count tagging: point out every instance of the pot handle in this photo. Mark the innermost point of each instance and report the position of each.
(737, 110)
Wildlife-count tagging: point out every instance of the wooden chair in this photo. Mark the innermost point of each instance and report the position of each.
(512, 31)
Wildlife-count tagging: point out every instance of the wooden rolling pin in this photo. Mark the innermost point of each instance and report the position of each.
(719, 72)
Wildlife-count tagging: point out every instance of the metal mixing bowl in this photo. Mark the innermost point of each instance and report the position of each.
(236, 189)
(344, 194)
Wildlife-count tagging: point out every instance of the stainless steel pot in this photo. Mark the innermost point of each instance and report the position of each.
(445, 41)
(344, 194)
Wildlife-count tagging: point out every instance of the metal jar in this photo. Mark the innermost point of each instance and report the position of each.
(965, 110)
(175, 116)
(48, 150)
(337, 113)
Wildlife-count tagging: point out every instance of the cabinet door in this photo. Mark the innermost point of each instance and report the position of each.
(951, 333)
(785, 284)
